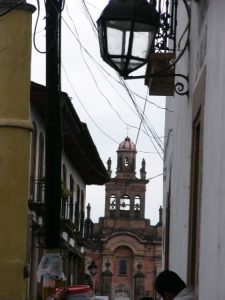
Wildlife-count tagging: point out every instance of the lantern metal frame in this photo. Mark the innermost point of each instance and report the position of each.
(164, 42)
(129, 18)
(93, 268)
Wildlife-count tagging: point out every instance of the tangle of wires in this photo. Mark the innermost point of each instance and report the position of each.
(59, 6)
(144, 122)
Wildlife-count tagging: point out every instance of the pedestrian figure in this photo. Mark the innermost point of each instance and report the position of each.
(60, 294)
(170, 286)
(146, 298)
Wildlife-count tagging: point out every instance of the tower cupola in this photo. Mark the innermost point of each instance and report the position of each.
(126, 159)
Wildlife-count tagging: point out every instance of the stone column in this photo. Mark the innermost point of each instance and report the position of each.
(15, 127)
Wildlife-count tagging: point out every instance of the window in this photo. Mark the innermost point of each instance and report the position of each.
(64, 175)
(63, 201)
(82, 212)
(33, 161)
(77, 209)
(71, 198)
(122, 267)
(125, 203)
(137, 203)
(126, 162)
(112, 203)
(40, 190)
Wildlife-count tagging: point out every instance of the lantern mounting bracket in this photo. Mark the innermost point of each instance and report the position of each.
(179, 86)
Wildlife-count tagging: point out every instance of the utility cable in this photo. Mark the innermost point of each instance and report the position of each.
(142, 117)
(88, 160)
(94, 60)
(156, 176)
(84, 48)
(78, 98)
(94, 80)
(89, 15)
(135, 105)
(35, 29)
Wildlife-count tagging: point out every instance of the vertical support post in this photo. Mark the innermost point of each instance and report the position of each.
(53, 127)
(53, 137)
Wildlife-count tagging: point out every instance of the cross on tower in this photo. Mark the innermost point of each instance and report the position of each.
(127, 128)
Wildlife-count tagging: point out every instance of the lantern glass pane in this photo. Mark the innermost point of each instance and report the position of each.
(118, 35)
(142, 41)
(120, 63)
(133, 64)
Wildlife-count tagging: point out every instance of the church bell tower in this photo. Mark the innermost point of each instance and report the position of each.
(126, 246)
(125, 193)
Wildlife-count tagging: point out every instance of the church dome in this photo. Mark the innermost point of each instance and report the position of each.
(127, 145)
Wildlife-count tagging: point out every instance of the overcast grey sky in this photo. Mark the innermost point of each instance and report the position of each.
(101, 101)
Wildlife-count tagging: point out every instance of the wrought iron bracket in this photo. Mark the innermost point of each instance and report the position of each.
(179, 86)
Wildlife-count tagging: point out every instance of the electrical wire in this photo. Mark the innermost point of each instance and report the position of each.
(96, 84)
(156, 176)
(92, 21)
(93, 77)
(83, 1)
(77, 38)
(142, 117)
(141, 121)
(135, 105)
(150, 102)
(92, 5)
(89, 16)
(35, 29)
(110, 105)
(88, 160)
(98, 65)
(61, 4)
(78, 98)
(109, 82)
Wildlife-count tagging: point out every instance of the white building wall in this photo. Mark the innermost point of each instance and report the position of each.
(78, 181)
(177, 158)
(70, 169)
(210, 29)
(212, 259)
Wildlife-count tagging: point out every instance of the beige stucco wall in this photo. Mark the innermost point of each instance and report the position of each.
(15, 45)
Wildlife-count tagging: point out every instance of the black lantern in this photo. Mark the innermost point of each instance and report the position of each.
(127, 30)
(92, 268)
(133, 33)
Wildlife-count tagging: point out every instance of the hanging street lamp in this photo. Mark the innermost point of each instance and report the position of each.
(93, 269)
(133, 33)
(127, 31)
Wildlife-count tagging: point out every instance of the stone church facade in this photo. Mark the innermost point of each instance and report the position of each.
(124, 248)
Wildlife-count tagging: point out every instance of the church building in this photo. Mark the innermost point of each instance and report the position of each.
(124, 253)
